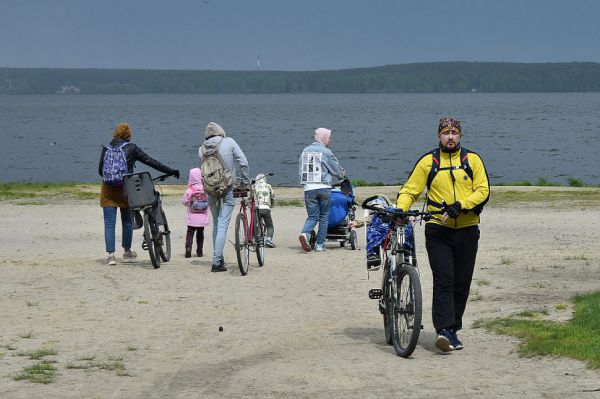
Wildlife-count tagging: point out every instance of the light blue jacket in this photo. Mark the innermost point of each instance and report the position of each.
(329, 164)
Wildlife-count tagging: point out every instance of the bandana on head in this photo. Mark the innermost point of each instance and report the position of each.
(449, 123)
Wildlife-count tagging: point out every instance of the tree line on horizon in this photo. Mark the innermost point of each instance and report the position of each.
(434, 77)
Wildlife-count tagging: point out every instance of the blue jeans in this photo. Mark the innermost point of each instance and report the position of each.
(318, 204)
(221, 210)
(110, 221)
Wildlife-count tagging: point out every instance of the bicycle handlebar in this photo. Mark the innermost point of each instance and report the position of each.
(396, 212)
(255, 180)
(162, 177)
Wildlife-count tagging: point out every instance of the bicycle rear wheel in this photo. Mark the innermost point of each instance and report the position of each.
(163, 239)
(407, 310)
(242, 249)
(259, 237)
(150, 229)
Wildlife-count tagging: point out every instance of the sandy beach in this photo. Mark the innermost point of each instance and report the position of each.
(302, 326)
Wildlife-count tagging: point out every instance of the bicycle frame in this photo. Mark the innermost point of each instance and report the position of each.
(249, 230)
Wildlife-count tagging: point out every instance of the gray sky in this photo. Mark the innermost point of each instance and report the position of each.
(293, 34)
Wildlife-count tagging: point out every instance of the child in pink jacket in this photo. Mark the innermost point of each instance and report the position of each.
(198, 215)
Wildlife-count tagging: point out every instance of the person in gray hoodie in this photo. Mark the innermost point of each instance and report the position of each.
(221, 208)
(317, 167)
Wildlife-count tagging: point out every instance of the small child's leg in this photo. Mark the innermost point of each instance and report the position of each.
(189, 240)
(199, 241)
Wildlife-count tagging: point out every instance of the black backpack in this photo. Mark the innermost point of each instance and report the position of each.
(464, 164)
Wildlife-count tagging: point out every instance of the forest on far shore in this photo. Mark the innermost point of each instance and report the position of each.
(433, 77)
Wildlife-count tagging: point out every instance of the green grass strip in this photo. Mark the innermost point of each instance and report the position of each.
(577, 339)
(41, 373)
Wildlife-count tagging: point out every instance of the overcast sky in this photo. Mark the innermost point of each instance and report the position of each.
(293, 34)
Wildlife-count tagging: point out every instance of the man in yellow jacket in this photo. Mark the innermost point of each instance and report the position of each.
(457, 183)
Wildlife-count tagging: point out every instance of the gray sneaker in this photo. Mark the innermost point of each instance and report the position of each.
(129, 256)
(320, 248)
(111, 261)
(269, 243)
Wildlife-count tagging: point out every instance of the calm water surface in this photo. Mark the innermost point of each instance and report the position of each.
(377, 137)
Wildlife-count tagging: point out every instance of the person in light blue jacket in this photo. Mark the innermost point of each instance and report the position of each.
(318, 166)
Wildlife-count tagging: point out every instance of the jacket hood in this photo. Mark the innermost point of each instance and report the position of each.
(195, 177)
(212, 143)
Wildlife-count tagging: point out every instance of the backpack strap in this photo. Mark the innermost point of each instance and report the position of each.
(216, 148)
(435, 166)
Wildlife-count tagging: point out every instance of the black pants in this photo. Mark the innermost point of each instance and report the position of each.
(452, 254)
(265, 214)
(189, 238)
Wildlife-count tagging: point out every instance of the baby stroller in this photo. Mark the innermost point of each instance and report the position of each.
(342, 211)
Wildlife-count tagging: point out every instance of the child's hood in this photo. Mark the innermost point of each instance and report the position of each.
(195, 177)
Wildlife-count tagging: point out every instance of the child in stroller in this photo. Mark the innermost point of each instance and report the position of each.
(341, 214)
(377, 231)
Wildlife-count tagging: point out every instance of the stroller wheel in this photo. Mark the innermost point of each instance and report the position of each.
(353, 240)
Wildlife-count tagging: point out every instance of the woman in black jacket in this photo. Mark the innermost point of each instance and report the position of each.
(113, 196)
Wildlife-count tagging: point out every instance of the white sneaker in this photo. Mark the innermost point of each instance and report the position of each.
(129, 256)
(111, 261)
(319, 248)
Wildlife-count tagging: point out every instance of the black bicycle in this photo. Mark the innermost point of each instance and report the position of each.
(400, 297)
(143, 197)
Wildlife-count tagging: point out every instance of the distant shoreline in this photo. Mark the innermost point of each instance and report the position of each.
(431, 77)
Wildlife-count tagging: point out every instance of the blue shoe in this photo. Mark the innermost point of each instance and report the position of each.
(444, 341)
(455, 341)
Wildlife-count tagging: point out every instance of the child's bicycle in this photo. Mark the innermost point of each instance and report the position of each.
(249, 234)
(400, 297)
(142, 196)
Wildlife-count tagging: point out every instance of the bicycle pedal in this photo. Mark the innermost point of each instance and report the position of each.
(144, 245)
(375, 293)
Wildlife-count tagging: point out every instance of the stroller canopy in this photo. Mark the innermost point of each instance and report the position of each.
(340, 206)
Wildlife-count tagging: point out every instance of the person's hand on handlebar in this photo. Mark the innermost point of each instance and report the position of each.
(451, 211)
(175, 173)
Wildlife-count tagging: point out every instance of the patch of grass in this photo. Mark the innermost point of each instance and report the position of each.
(290, 202)
(504, 260)
(482, 282)
(576, 257)
(561, 306)
(113, 364)
(475, 296)
(142, 302)
(577, 339)
(26, 335)
(10, 347)
(40, 373)
(38, 354)
(132, 348)
(365, 183)
(43, 191)
(532, 313)
(87, 357)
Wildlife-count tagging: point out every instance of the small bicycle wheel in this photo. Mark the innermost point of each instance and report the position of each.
(407, 310)
(353, 240)
(164, 237)
(259, 240)
(387, 303)
(149, 229)
(242, 249)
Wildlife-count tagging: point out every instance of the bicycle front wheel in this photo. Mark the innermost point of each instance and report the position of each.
(407, 310)
(149, 233)
(163, 239)
(259, 236)
(386, 303)
(241, 243)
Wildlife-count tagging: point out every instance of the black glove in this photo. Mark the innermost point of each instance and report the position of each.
(454, 210)
(175, 173)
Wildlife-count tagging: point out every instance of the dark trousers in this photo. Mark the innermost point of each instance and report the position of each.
(265, 214)
(189, 238)
(452, 254)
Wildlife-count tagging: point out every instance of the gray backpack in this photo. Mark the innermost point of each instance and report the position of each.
(216, 178)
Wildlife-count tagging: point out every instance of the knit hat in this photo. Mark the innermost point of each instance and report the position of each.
(122, 131)
(322, 135)
(449, 123)
(213, 129)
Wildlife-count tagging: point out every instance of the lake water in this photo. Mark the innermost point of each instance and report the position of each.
(377, 137)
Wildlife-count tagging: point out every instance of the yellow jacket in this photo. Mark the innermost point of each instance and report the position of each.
(469, 192)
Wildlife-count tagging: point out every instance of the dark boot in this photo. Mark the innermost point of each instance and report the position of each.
(199, 252)
(188, 252)
(220, 267)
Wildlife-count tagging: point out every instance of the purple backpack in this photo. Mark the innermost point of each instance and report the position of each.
(114, 165)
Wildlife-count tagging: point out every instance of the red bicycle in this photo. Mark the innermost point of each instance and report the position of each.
(250, 229)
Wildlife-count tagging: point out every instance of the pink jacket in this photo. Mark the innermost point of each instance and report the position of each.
(195, 219)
